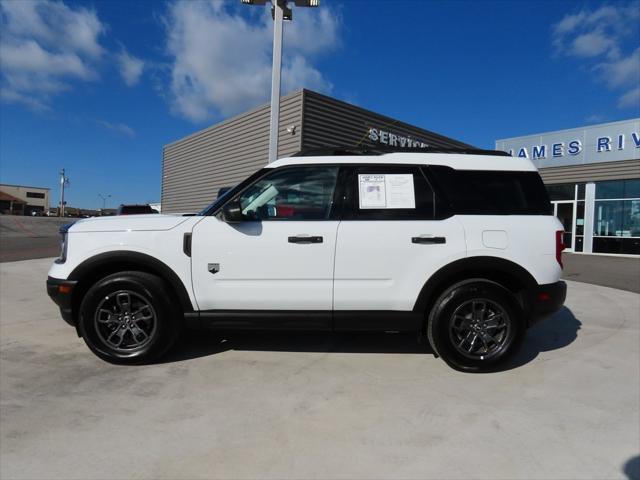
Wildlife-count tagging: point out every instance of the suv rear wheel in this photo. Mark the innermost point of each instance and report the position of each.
(128, 318)
(475, 325)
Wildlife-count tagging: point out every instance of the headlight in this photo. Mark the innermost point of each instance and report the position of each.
(64, 229)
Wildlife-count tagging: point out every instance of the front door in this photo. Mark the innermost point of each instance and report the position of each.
(281, 257)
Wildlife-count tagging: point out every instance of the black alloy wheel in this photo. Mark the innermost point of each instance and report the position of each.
(129, 318)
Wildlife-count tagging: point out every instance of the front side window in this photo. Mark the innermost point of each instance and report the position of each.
(296, 193)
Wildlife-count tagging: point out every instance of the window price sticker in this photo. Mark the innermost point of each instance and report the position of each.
(386, 191)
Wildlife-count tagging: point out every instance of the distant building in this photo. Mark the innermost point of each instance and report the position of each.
(10, 205)
(23, 200)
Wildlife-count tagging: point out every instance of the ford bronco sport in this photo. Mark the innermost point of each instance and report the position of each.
(459, 247)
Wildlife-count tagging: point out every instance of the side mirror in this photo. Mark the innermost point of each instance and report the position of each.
(232, 212)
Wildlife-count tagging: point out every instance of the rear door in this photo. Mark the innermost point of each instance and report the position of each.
(390, 240)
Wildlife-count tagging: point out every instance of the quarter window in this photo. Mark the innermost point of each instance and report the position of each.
(297, 193)
(477, 192)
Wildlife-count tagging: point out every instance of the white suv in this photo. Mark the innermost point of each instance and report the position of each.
(460, 247)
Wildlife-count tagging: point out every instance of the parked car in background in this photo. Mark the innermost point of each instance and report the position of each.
(135, 209)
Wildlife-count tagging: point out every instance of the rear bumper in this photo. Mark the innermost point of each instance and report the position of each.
(61, 292)
(544, 300)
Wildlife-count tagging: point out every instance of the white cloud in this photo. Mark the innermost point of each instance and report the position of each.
(593, 44)
(43, 46)
(595, 118)
(608, 40)
(221, 61)
(622, 72)
(130, 67)
(631, 99)
(118, 127)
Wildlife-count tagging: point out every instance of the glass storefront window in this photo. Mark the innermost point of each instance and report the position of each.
(614, 189)
(618, 189)
(616, 210)
(580, 219)
(632, 188)
(617, 218)
(561, 192)
(631, 217)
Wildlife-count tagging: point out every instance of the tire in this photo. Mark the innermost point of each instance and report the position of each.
(129, 318)
(476, 325)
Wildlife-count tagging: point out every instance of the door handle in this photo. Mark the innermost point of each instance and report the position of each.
(428, 240)
(305, 239)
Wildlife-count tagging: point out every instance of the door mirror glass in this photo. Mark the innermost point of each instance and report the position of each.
(232, 213)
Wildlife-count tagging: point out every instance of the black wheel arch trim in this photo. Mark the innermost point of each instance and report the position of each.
(132, 260)
(494, 268)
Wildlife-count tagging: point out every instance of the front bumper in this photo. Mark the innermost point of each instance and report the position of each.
(544, 300)
(61, 292)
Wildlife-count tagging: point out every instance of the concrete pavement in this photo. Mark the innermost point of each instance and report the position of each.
(605, 270)
(318, 406)
(24, 238)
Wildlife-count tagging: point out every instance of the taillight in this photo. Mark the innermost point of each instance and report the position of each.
(560, 246)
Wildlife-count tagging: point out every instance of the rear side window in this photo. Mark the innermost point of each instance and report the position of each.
(381, 192)
(474, 192)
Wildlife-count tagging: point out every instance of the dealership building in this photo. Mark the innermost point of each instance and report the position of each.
(592, 175)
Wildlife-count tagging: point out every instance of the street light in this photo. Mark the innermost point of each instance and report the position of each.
(280, 11)
(104, 200)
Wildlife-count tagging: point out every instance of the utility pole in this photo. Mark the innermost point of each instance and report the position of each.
(104, 200)
(64, 181)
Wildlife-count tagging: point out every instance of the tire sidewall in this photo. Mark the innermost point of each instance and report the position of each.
(153, 290)
(446, 305)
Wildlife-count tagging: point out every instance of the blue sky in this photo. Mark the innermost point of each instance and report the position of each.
(98, 87)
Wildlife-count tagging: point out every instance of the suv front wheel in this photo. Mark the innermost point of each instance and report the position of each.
(128, 318)
(475, 325)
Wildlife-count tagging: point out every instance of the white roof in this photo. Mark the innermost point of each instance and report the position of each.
(453, 160)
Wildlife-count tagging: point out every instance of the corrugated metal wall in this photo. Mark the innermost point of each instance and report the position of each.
(195, 167)
(330, 122)
(593, 172)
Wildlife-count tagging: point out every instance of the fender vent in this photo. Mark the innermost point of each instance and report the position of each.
(186, 244)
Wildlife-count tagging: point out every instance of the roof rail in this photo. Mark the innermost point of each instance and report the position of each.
(336, 151)
(383, 150)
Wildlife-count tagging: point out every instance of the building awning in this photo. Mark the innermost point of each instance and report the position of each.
(10, 198)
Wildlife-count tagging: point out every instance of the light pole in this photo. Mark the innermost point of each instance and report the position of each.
(64, 181)
(104, 200)
(280, 11)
